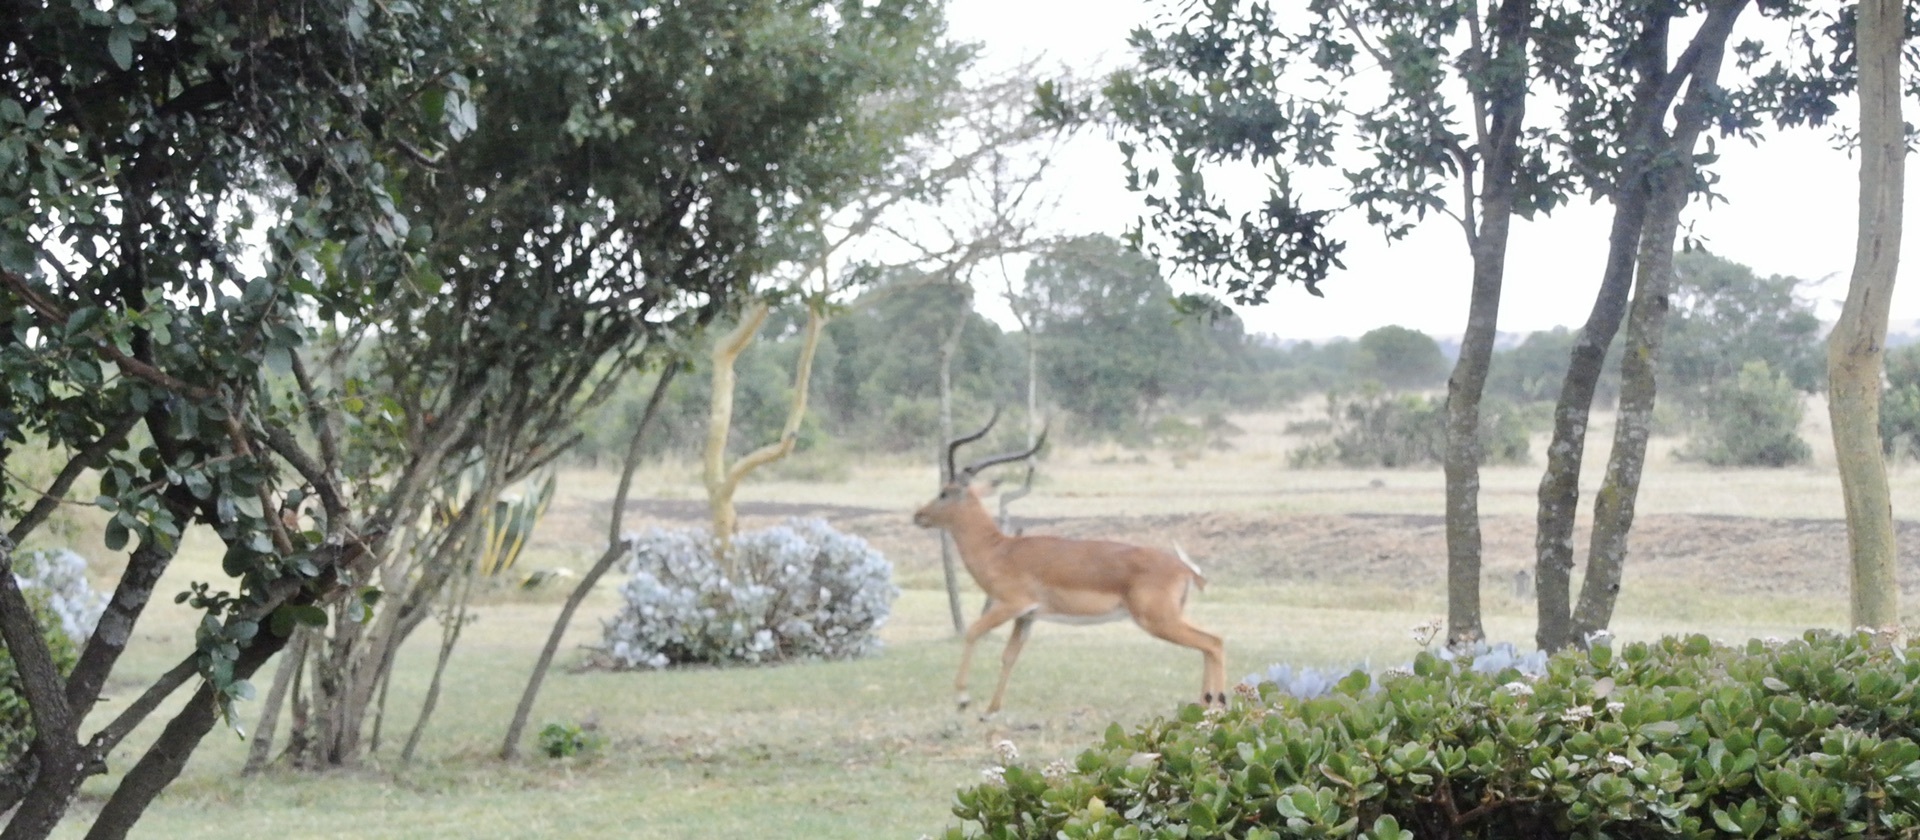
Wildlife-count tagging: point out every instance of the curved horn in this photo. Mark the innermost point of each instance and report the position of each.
(965, 475)
(953, 446)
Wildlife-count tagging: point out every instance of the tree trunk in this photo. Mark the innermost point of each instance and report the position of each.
(1560, 484)
(1655, 89)
(168, 755)
(1667, 189)
(61, 758)
(726, 350)
(1505, 101)
(948, 349)
(260, 746)
(1857, 345)
(1613, 507)
(617, 547)
(456, 620)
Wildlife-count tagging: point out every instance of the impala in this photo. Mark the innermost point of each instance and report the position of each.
(1061, 579)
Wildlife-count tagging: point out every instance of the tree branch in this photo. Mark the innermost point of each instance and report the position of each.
(52, 315)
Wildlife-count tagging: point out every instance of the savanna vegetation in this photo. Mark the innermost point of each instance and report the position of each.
(348, 346)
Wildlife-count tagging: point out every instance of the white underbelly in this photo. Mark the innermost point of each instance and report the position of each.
(1117, 614)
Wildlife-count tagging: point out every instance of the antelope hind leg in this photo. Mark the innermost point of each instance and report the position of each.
(1015, 641)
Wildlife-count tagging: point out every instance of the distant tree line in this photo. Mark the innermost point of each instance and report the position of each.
(1121, 357)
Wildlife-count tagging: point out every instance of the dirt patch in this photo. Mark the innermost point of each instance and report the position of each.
(1736, 555)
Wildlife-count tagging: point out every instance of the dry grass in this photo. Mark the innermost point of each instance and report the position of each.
(873, 748)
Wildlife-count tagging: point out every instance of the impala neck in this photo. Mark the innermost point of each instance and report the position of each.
(973, 529)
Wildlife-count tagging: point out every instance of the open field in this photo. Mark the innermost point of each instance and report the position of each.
(1322, 568)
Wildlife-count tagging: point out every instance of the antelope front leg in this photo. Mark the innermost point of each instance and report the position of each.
(996, 614)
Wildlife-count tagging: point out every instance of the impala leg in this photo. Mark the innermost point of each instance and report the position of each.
(1015, 641)
(996, 614)
(1213, 651)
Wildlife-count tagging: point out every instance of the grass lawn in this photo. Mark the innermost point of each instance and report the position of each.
(872, 748)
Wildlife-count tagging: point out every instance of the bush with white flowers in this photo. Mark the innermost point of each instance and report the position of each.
(67, 607)
(61, 576)
(806, 591)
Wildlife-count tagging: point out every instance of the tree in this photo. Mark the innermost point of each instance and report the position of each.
(1399, 358)
(1723, 316)
(1211, 91)
(883, 385)
(1752, 421)
(150, 344)
(1618, 135)
(470, 276)
(577, 238)
(1107, 319)
(1653, 170)
(1858, 340)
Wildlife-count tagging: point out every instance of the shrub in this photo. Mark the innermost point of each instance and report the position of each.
(1379, 429)
(1900, 421)
(566, 740)
(66, 607)
(1677, 738)
(1754, 422)
(808, 592)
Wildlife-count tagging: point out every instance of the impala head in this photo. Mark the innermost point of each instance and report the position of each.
(954, 489)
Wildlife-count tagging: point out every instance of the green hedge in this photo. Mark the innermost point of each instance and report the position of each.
(1681, 738)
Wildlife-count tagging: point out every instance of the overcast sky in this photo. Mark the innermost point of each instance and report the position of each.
(1790, 209)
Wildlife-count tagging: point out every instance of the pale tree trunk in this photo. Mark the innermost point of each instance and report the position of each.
(617, 547)
(260, 745)
(459, 598)
(1857, 345)
(723, 480)
(948, 349)
(1667, 191)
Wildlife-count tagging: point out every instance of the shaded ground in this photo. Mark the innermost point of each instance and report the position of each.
(1737, 555)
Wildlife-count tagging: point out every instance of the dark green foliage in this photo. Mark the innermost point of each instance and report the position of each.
(16, 722)
(1753, 422)
(1681, 738)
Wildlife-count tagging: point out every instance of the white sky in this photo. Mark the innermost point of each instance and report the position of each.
(1790, 209)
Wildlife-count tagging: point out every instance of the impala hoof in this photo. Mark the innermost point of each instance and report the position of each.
(963, 701)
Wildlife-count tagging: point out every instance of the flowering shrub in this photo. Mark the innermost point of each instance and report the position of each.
(62, 576)
(1480, 657)
(1814, 737)
(66, 607)
(808, 592)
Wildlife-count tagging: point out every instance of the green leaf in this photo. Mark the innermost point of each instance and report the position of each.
(116, 534)
(120, 47)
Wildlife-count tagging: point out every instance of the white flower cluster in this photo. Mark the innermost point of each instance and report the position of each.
(62, 576)
(807, 591)
(1480, 657)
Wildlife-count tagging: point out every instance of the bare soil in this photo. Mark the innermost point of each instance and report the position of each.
(1735, 555)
